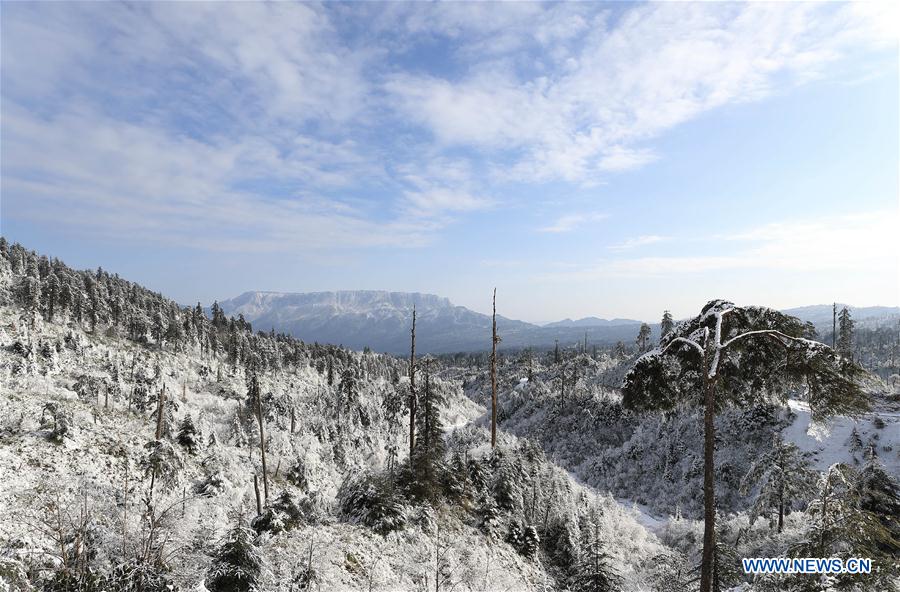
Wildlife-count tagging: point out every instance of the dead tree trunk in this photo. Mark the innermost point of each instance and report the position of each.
(412, 388)
(709, 501)
(494, 340)
(256, 490)
(262, 438)
(159, 411)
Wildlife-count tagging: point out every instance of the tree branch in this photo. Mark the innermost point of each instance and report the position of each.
(690, 342)
(771, 333)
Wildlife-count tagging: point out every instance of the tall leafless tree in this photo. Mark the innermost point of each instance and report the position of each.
(412, 386)
(495, 339)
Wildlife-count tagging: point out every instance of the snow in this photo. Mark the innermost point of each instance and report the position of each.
(828, 441)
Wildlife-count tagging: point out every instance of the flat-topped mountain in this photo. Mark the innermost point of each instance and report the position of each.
(377, 319)
(381, 320)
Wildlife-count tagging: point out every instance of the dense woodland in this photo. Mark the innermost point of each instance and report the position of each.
(157, 447)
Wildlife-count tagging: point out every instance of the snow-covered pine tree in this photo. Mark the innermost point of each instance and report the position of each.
(783, 475)
(730, 355)
(666, 325)
(845, 333)
(594, 571)
(643, 337)
(238, 433)
(237, 565)
(187, 435)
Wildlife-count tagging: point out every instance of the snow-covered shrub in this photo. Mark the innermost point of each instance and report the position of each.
(372, 500)
(285, 513)
(13, 577)
(297, 474)
(57, 420)
(162, 463)
(523, 538)
(237, 565)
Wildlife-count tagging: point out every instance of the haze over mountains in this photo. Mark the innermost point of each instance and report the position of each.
(380, 320)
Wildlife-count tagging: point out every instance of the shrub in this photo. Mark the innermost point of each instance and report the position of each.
(373, 501)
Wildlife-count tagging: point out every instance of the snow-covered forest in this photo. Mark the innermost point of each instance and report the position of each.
(147, 446)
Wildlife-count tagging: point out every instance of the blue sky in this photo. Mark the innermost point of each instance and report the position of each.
(586, 159)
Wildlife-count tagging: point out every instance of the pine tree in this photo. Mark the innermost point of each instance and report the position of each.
(735, 355)
(666, 325)
(879, 496)
(783, 475)
(643, 338)
(594, 571)
(847, 521)
(238, 433)
(187, 435)
(237, 565)
(845, 333)
(426, 467)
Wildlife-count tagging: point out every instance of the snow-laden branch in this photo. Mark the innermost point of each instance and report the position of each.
(690, 342)
(773, 333)
(714, 366)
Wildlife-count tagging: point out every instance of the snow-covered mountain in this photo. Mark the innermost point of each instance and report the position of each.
(821, 314)
(381, 321)
(592, 322)
(377, 319)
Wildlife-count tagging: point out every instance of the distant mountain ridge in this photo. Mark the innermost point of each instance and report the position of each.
(592, 322)
(381, 320)
(821, 314)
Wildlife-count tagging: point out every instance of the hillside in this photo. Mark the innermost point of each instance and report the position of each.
(105, 486)
(131, 435)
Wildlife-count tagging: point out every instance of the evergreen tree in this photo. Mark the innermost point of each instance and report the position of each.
(783, 475)
(237, 565)
(594, 571)
(643, 338)
(426, 471)
(187, 435)
(738, 355)
(845, 333)
(879, 495)
(666, 325)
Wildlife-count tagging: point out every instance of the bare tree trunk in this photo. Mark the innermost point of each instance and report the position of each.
(256, 490)
(833, 324)
(125, 511)
(159, 411)
(412, 388)
(709, 502)
(262, 443)
(781, 514)
(293, 419)
(494, 340)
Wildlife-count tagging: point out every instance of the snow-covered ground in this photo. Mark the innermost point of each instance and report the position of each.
(90, 468)
(831, 441)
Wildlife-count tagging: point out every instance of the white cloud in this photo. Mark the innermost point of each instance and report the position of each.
(854, 242)
(628, 81)
(117, 180)
(570, 222)
(639, 241)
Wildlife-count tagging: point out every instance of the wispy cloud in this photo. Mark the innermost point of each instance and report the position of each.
(859, 242)
(627, 81)
(639, 241)
(570, 222)
(298, 126)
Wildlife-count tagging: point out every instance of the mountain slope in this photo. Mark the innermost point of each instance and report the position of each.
(381, 321)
